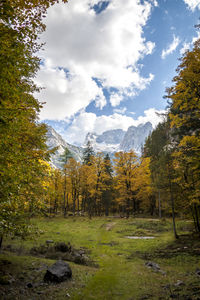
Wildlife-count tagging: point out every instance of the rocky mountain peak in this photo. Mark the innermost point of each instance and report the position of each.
(117, 139)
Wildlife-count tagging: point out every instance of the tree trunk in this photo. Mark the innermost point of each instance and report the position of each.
(127, 207)
(64, 199)
(159, 206)
(172, 204)
(196, 217)
(78, 205)
(193, 215)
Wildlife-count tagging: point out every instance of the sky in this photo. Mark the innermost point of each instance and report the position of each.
(106, 64)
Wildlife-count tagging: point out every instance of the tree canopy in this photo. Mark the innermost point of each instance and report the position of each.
(23, 147)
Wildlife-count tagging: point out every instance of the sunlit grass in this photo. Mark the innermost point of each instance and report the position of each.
(122, 273)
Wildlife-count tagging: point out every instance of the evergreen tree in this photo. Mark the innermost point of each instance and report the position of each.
(65, 156)
(88, 154)
(159, 148)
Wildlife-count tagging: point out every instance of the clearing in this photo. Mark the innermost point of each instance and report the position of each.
(105, 263)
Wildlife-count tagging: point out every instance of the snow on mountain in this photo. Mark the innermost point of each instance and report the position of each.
(135, 137)
(55, 140)
(108, 142)
(111, 136)
(119, 140)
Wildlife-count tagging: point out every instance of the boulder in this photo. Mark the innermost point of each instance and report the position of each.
(58, 272)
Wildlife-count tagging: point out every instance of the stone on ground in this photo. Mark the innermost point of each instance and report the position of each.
(58, 272)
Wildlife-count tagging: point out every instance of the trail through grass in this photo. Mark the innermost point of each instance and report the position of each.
(121, 274)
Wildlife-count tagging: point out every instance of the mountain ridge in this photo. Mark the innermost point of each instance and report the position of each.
(54, 139)
(120, 140)
(109, 141)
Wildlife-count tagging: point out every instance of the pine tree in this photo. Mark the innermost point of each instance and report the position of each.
(88, 154)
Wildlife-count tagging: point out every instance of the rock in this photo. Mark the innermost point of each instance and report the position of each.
(40, 292)
(58, 272)
(166, 287)
(153, 265)
(49, 242)
(62, 247)
(198, 271)
(179, 283)
(29, 285)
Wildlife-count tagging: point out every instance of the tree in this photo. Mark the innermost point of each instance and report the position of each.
(64, 159)
(107, 181)
(88, 154)
(73, 172)
(125, 164)
(22, 138)
(159, 147)
(184, 114)
(143, 186)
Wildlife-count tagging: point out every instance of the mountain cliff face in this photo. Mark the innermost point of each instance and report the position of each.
(55, 140)
(111, 136)
(119, 140)
(135, 137)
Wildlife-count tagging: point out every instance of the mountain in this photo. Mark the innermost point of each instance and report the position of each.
(117, 139)
(111, 136)
(135, 137)
(55, 140)
(109, 141)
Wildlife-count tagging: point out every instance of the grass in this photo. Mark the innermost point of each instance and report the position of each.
(122, 273)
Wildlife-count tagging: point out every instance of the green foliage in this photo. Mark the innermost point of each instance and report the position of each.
(66, 156)
(88, 154)
(23, 147)
(121, 261)
(174, 146)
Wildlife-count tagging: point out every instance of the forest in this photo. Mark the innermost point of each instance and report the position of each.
(163, 183)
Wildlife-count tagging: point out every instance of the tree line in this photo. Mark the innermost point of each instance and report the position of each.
(99, 186)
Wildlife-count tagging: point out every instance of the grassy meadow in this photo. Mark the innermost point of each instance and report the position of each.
(118, 270)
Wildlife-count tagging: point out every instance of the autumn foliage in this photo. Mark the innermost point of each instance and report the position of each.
(165, 180)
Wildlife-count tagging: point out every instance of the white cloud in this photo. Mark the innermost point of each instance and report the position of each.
(171, 48)
(115, 99)
(104, 46)
(89, 122)
(66, 96)
(151, 115)
(120, 110)
(188, 46)
(193, 4)
(196, 38)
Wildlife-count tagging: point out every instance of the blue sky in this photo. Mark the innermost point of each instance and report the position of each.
(106, 64)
